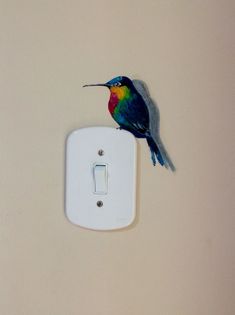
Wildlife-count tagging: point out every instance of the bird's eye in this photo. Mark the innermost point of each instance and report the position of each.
(117, 84)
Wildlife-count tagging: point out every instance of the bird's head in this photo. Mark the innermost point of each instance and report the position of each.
(118, 85)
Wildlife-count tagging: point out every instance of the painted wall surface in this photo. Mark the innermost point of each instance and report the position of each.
(178, 257)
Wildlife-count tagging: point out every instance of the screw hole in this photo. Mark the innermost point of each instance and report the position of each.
(101, 152)
(99, 203)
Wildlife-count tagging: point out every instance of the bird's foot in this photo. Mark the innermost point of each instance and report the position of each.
(119, 128)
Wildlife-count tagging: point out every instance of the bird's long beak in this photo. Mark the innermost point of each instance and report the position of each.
(99, 84)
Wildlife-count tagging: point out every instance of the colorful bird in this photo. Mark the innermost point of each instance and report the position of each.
(129, 109)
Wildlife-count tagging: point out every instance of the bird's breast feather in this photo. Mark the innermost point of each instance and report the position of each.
(121, 92)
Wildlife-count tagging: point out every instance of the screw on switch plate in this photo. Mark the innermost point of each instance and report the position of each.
(101, 152)
(99, 203)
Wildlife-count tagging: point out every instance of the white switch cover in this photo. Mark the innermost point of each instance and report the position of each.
(101, 178)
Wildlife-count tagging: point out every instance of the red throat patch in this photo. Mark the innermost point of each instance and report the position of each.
(113, 101)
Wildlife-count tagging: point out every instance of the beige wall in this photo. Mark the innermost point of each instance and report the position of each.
(178, 258)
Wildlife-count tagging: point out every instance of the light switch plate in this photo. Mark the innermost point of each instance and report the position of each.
(116, 149)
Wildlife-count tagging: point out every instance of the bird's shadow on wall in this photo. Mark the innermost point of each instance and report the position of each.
(154, 115)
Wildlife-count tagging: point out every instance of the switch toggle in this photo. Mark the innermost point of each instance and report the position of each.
(100, 174)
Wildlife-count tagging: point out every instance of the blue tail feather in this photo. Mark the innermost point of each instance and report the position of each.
(155, 152)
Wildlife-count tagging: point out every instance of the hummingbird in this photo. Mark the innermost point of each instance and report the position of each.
(128, 107)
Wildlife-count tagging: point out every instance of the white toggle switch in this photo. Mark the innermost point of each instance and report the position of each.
(100, 179)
